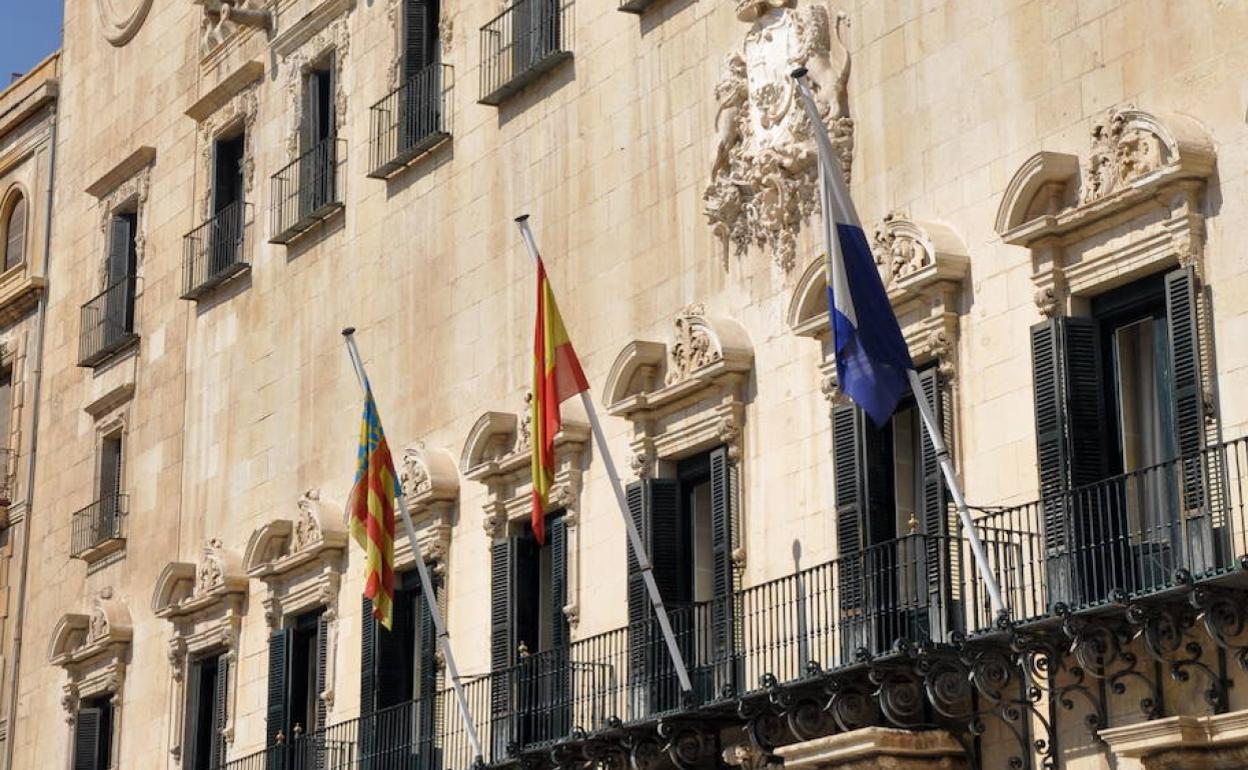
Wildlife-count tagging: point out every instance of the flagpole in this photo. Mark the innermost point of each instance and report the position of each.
(426, 584)
(823, 144)
(634, 537)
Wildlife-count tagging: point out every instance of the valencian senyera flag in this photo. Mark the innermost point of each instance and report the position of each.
(371, 510)
(557, 376)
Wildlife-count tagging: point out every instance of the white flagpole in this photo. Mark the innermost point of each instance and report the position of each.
(925, 410)
(426, 585)
(634, 538)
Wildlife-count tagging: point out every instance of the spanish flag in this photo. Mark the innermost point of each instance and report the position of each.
(371, 510)
(557, 376)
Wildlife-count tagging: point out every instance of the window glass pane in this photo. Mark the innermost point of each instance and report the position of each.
(1142, 392)
(15, 234)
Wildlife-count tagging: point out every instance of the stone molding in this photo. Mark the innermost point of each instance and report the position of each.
(127, 184)
(877, 748)
(300, 47)
(498, 455)
(238, 109)
(764, 172)
(1182, 742)
(430, 479)
(1134, 209)
(205, 603)
(93, 648)
(924, 266)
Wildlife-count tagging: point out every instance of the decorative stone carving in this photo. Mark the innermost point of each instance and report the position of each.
(901, 248)
(764, 172)
(335, 37)
(693, 347)
(222, 18)
(130, 194)
(120, 20)
(92, 649)
(1121, 153)
(241, 109)
(430, 481)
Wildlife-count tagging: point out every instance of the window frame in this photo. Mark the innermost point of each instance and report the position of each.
(15, 197)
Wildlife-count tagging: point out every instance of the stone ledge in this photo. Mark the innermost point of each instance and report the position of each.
(1187, 742)
(119, 173)
(879, 748)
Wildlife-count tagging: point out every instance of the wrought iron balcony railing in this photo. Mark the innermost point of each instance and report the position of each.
(308, 190)
(100, 527)
(411, 120)
(1131, 535)
(217, 250)
(522, 43)
(107, 323)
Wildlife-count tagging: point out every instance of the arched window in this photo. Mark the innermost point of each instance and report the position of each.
(15, 233)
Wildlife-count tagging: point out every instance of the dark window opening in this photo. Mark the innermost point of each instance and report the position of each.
(305, 674)
(15, 234)
(318, 121)
(421, 46)
(225, 237)
(6, 409)
(93, 735)
(206, 713)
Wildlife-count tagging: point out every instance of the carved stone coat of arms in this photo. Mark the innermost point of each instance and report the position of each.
(764, 172)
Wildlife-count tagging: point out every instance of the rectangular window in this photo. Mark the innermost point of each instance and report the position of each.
(305, 674)
(205, 721)
(93, 735)
(6, 414)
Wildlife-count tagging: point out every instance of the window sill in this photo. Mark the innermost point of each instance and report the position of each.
(19, 292)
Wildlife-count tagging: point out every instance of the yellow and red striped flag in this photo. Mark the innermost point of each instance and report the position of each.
(557, 376)
(371, 510)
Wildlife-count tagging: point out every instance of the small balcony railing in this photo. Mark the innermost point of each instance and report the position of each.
(411, 120)
(1131, 535)
(522, 43)
(100, 527)
(107, 323)
(636, 6)
(217, 250)
(308, 190)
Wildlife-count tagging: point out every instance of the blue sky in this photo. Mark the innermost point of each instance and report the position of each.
(29, 31)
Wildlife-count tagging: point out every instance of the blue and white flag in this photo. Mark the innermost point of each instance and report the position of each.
(872, 360)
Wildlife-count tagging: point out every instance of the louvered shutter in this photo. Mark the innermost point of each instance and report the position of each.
(87, 738)
(120, 248)
(850, 509)
(1070, 453)
(430, 705)
(277, 713)
(654, 505)
(368, 683)
(937, 515)
(724, 612)
(638, 601)
(322, 670)
(15, 232)
(190, 733)
(502, 642)
(417, 37)
(1200, 473)
(557, 670)
(119, 271)
(220, 711)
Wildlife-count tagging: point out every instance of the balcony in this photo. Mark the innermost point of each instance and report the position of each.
(1134, 535)
(107, 323)
(411, 121)
(527, 40)
(636, 6)
(216, 251)
(308, 190)
(99, 529)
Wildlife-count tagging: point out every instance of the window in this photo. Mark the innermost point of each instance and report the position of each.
(93, 735)
(6, 409)
(108, 319)
(226, 237)
(895, 526)
(1119, 431)
(110, 488)
(529, 636)
(206, 705)
(399, 680)
(297, 667)
(529, 38)
(679, 518)
(15, 233)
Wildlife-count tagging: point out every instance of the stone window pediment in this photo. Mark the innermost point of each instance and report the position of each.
(686, 395)
(1132, 208)
(430, 479)
(300, 561)
(205, 602)
(94, 649)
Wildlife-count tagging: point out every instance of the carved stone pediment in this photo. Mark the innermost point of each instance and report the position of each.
(1136, 206)
(93, 648)
(497, 454)
(430, 479)
(185, 589)
(763, 177)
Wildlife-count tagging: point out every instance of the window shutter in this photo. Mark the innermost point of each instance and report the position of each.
(312, 119)
(87, 737)
(502, 643)
(850, 508)
(558, 581)
(195, 680)
(936, 513)
(220, 706)
(656, 510)
(120, 248)
(430, 705)
(322, 670)
(368, 682)
(278, 697)
(417, 37)
(15, 232)
(724, 614)
(638, 600)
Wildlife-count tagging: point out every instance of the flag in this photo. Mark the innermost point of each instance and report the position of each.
(872, 359)
(557, 376)
(370, 509)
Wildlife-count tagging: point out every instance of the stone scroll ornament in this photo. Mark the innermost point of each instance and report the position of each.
(764, 172)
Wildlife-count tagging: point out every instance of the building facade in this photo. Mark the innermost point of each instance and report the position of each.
(1050, 190)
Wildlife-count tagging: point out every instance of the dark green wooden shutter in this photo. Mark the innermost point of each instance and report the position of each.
(502, 641)
(430, 714)
(121, 251)
(119, 271)
(190, 732)
(322, 670)
(278, 710)
(654, 505)
(1200, 473)
(220, 711)
(1070, 452)
(937, 517)
(638, 601)
(87, 738)
(418, 36)
(724, 614)
(368, 683)
(852, 507)
(558, 581)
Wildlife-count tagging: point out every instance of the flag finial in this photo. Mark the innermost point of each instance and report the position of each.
(800, 72)
(347, 332)
(522, 218)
